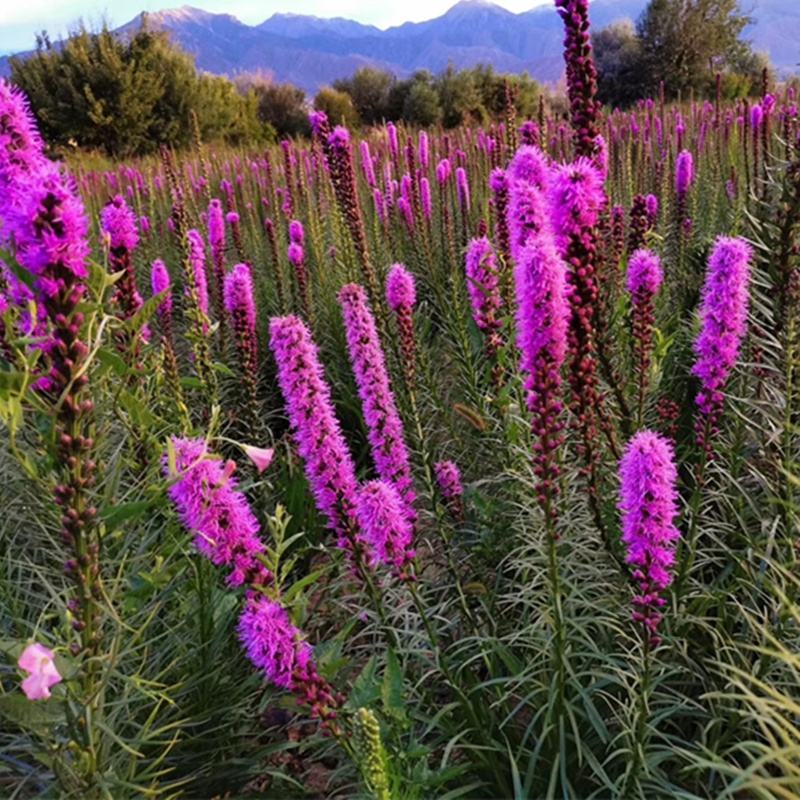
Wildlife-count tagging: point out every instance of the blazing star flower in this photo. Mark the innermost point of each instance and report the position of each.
(527, 215)
(39, 662)
(297, 234)
(462, 189)
(576, 198)
(443, 170)
(328, 465)
(684, 173)
(648, 505)
(118, 222)
(21, 147)
(272, 643)
(540, 278)
(197, 259)
(425, 197)
(529, 164)
(723, 321)
(382, 418)
(385, 525)
(400, 288)
(483, 285)
(240, 304)
(210, 506)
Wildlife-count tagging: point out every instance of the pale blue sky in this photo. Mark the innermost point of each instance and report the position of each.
(21, 19)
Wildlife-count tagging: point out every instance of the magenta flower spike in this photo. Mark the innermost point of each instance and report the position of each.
(216, 241)
(648, 504)
(197, 264)
(540, 279)
(328, 464)
(531, 165)
(161, 282)
(723, 322)
(684, 173)
(448, 481)
(483, 286)
(401, 297)
(239, 300)
(386, 527)
(384, 425)
(527, 215)
(209, 504)
(462, 189)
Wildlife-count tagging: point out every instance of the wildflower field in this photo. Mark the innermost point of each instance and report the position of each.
(419, 465)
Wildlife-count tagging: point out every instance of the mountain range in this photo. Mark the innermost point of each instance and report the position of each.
(312, 51)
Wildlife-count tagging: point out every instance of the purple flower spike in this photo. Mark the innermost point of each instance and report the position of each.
(723, 320)
(385, 526)
(210, 506)
(648, 505)
(272, 643)
(400, 288)
(382, 418)
(529, 164)
(328, 465)
(684, 173)
(483, 286)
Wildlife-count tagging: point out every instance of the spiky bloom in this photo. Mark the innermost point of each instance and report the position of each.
(118, 223)
(328, 465)
(651, 202)
(645, 276)
(21, 148)
(498, 183)
(448, 481)
(423, 150)
(50, 232)
(529, 133)
(275, 646)
(240, 304)
(483, 286)
(297, 258)
(209, 504)
(384, 425)
(197, 256)
(528, 215)
(723, 321)
(394, 144)
(161, 282)
(576, 197)
(684, 173)
(542, 322)
(277, 271)
(581, 75)
(216, 241)
(462, 189)
(648, 505)
(425, 197)
(443, 170)
(401, 296)
(318, 120)
(385, 526)
(340, 164)
(297, 234)
(531, 165)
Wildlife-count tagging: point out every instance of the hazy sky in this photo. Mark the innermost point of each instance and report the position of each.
(21, 19)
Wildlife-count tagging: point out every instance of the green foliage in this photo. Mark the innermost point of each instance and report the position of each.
(338, 106)
(280, 106)
(128, 96)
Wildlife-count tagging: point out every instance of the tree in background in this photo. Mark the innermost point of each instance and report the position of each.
(338, 106)
(685, 42)
(128, 95)
(281, 106)
(369, 89)
(618, 56)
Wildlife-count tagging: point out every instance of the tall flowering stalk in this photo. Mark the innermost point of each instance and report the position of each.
(723, 321)
(581, 75)
(384, 425)
(648, 503)
(451, 489)
(498, 184)
(297, 258)
(386, 527)
(401, 297)
(639, 223)
(118, 224)
(483, 286)
(226, 532)
(161, 283)
(240, 304)
(528, 212)
(648, 506)
(340, 163)
(43, 215)
(644, 280)
(216, 241)
(196, 289)
(542, 324)
(328, 464)
(684, 178)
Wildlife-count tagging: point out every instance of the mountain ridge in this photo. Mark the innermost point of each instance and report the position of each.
(312, 51)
